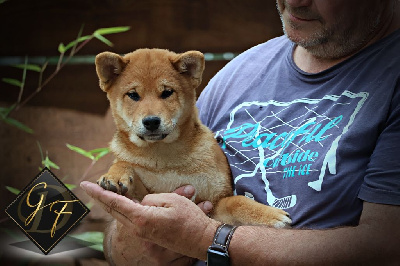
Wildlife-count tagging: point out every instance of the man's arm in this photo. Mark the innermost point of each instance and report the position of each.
(375, 241)
(121, 247)
(176, 223)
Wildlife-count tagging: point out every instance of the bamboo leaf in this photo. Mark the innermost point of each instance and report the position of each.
(13, 82)
(4, 111)
(101, 154)
(112, 30)
(30, 67)
(92, 237)
(61, 48)
(80, 151)
(98, 150)
(17, 124)
(40, 149)
(70, 186)
(49, 164)
(81, 39)
(98, 247)
(13, 190)
(102, 39)
(89, 205)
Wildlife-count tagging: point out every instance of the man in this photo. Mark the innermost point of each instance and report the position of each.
(310, 123)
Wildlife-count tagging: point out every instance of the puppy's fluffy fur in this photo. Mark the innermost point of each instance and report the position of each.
(160, 143)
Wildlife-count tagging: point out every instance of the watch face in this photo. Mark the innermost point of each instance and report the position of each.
(217, 258)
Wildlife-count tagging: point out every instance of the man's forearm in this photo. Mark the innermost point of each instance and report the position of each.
(375, 241)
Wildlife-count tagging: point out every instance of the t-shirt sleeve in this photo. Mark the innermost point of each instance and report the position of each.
(382, 181)
(206, 102)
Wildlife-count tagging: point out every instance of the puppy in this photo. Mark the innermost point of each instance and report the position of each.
(160, 143)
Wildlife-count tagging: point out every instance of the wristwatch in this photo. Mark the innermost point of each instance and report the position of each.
(217, 253)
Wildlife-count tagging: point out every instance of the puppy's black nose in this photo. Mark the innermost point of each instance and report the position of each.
(151, 123)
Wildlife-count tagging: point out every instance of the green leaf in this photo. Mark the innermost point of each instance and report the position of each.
(98, 247)
(14, 82)
(112, 30)
(89, 205)
(17, 124)
(93, 237)
(101, 154)
(61, 48)
(80, 151)
(81, 39)
(70, 186)
(99, 150)
(49, 164)
(13, 190)
(30, 67)
(4, 111)
(102, 39)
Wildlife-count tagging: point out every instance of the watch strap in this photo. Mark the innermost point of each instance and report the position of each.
(218, 251)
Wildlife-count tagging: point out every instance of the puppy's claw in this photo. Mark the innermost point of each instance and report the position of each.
(103, 184)
(124, 188)
(119, 186)
(112, 187)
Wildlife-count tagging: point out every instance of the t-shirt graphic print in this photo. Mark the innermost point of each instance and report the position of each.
(294, 140)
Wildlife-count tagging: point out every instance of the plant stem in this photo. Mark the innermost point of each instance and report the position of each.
(39, 88)
(41, 75)
(59, 61)
(87, 171)
(21, 89)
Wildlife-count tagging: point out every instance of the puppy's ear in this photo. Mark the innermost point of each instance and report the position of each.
(108, 67)
(192, 64)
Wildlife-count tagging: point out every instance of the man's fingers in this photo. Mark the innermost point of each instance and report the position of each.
(111, 202)
(187, 191)
(205, 206)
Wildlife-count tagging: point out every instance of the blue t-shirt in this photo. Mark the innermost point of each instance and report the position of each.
(315, 145)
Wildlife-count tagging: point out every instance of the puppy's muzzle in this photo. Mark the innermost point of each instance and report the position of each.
(151, 123)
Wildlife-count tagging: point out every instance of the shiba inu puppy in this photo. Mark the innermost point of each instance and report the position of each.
(160, 143)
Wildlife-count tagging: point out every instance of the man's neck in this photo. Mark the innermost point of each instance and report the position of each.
(307, 62)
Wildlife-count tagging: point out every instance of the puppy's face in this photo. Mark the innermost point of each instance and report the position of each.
(151, 92)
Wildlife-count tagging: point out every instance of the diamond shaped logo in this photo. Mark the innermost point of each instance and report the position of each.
(46, 210)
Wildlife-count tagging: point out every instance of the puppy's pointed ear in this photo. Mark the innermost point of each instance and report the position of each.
(108, 67)
(192, 64)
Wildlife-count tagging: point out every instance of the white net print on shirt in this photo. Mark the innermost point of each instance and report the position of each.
(262, 143)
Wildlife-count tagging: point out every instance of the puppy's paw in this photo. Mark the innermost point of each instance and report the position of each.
(118, 185)
(280, 218)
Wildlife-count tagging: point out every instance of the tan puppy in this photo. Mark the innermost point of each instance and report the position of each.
(160, 143)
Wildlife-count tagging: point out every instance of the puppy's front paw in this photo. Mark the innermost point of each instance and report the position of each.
(117, 185)
(280, 219)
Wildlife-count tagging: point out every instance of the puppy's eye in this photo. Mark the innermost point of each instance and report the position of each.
(165, 94)
(134, 96)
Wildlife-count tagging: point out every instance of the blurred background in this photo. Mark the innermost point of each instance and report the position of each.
(71, 108)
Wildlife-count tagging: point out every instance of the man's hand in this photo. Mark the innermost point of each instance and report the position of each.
(148, 231)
